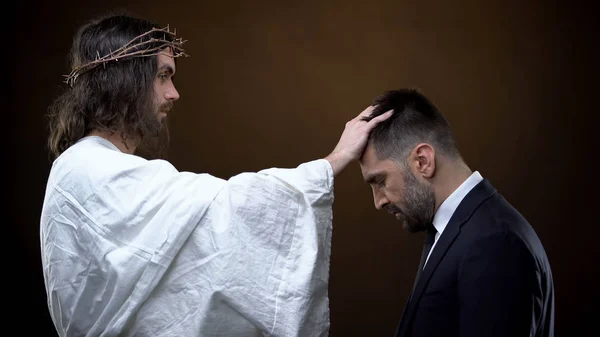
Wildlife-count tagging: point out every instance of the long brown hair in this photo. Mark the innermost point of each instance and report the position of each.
(117, 96)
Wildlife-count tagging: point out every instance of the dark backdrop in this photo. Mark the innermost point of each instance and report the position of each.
(272, 84)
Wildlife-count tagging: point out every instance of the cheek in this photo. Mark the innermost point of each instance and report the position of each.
(156, 87)
(159, 91)
(395, 193)
(396, 200)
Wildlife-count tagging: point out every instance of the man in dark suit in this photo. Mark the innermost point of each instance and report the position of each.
(483, 271)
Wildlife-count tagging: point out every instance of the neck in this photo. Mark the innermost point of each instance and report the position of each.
(449, 176)
(127, 146)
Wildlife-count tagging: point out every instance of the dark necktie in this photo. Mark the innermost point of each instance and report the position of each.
(429, 239)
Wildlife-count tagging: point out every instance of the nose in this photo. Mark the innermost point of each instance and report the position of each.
(380, 199)
(171, 94)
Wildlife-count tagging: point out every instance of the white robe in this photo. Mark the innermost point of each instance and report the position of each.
(132, 247)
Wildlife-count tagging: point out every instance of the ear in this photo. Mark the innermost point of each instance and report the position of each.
(422, 159)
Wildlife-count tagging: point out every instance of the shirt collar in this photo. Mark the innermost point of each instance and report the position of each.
(447, 208)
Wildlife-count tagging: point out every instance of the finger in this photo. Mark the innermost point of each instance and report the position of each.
(365, 113)
(383, 116)
(373, 122)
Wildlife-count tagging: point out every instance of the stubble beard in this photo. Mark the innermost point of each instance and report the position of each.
(419, 205)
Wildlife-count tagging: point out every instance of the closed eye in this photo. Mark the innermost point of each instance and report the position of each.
(165, 71)
(377, 178)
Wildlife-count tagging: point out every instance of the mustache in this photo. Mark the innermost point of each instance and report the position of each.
(392, 209)
(166, 107)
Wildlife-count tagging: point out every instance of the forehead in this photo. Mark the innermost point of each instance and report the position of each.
(371, 165)
(165, 58)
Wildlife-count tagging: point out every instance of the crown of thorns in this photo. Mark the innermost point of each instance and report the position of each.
(131, 50)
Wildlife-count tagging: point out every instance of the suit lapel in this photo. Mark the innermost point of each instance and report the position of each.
(444, 242)
(468, 205)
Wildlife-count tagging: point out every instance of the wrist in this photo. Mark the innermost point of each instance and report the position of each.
(338, 161)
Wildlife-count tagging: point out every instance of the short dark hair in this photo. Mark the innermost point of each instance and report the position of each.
(117, 96)
(415, 119)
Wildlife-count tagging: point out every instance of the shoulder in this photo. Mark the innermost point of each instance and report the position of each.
(88, 169)
(495, 217)
(97, 160)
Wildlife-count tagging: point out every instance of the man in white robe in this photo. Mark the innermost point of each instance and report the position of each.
(133, 247)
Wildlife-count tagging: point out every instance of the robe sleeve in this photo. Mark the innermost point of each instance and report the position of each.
(272, 230)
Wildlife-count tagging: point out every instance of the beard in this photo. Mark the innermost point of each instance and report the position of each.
(154, 143)
(419, 205)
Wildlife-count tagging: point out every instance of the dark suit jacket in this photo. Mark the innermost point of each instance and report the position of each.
(488, 275)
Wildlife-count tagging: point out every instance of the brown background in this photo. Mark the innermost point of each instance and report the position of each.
(272, 84)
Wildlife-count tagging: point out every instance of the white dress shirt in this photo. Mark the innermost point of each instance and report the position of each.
(447, 208)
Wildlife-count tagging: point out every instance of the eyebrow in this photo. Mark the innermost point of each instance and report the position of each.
(167, 67)
(373, 177)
